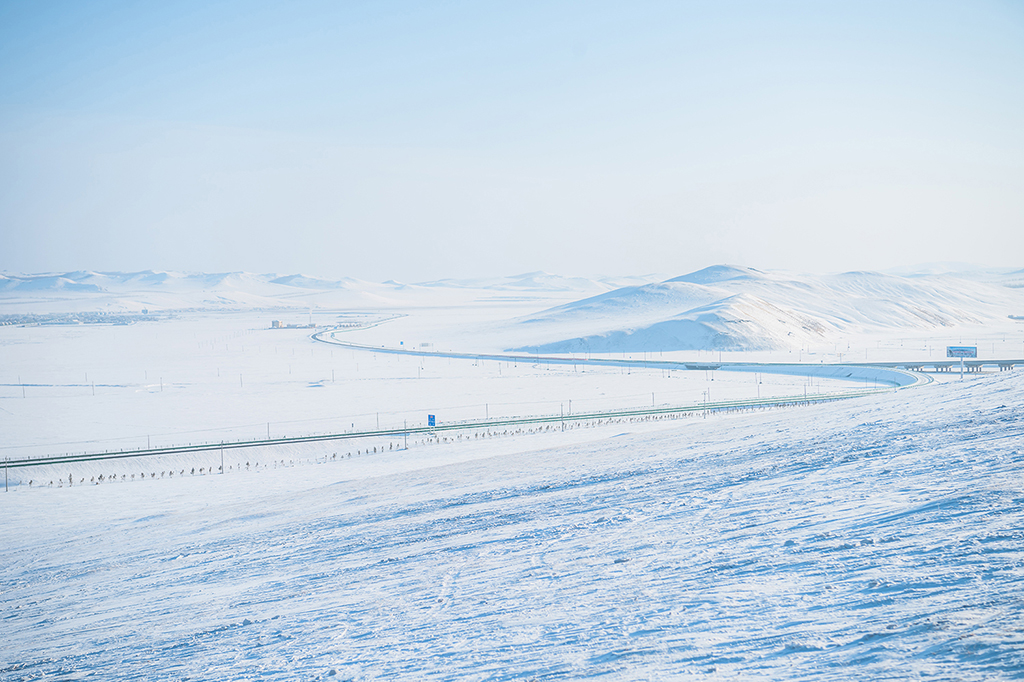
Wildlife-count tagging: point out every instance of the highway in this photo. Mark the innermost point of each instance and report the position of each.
(678, 411)
(892, 375)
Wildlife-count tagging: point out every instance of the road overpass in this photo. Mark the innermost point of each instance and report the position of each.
(945, 365)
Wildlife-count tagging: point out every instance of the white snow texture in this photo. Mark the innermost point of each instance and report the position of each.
(875, 538)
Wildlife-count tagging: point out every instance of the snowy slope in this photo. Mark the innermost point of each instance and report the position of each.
(862, 540)
(732, 308)
(740, 322)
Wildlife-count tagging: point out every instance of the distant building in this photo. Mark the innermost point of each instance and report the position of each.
(276, 324)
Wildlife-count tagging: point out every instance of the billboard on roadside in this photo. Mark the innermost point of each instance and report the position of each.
(961, 351)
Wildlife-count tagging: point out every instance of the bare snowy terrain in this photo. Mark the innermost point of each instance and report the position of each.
(872, 539)
(879, 537)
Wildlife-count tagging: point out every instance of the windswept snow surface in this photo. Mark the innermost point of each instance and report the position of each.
(872, 539)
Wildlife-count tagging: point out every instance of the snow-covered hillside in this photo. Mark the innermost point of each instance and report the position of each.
(733, 308)
(873, 539)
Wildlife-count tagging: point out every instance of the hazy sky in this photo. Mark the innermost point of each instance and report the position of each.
(453, 139)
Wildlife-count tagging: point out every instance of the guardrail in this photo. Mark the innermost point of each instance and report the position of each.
(680, 410)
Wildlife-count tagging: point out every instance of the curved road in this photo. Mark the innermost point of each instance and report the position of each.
(893, 377)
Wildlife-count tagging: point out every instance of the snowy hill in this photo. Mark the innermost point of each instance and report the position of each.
(718, 273)
(732, 308)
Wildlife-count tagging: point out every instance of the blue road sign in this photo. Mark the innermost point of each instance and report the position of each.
(961, 351)
(430, 420)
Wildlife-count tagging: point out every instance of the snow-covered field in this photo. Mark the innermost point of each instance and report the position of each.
(881, 537)
(210, 377)
(878, 538)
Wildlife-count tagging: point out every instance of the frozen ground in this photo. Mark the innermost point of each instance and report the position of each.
(876, 538)
(873, 539)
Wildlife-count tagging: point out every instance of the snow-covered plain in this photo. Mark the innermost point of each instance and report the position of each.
(200, 377)
(876, 538)
(879, 537)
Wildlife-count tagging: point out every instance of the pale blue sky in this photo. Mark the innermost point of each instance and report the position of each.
(423, 140)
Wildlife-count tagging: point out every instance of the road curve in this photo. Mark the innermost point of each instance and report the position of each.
(893, 379)
(891, 376)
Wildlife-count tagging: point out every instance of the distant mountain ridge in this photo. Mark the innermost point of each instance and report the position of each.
(726, 307)
(165, 290)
